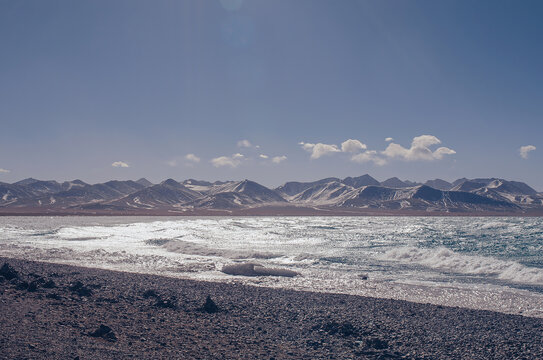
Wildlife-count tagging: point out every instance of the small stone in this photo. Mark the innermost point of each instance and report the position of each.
(210, 306)
(53, 296)
(23, 285)
(33, 286)
(166, 303)
(150, 293)
(104, 332)
(49, 284)
(377, 343)
(80, 289)
(8, 272)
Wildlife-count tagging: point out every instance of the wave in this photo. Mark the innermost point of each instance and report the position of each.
(444, 259)
(190, 248)
(323, 227)
(45, 233)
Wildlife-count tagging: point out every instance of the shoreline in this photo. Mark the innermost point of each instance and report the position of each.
(252, 322)
(266, 211)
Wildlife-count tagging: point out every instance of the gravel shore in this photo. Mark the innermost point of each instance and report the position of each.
(50, 311)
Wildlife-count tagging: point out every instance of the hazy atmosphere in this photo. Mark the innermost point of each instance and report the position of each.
(271, 179)
(271, 90)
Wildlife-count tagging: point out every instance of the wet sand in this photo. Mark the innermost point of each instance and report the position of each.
(50, 311)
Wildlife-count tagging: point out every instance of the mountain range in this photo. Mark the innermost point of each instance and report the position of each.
(352, 195)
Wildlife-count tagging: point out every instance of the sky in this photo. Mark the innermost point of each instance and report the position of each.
(272, 91)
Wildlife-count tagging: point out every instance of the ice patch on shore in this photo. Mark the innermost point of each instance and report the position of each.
(446, 260)
(250, 269)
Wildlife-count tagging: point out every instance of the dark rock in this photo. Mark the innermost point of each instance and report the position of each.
(343, 329)
(150, 293)
(33, 286)
(49, 284)
(104, 332)
(8, 272)
(377, 343)
(107, 300)
(210, 307)
(22, 285)
(53, 296)
(80, 289)
(170, 303)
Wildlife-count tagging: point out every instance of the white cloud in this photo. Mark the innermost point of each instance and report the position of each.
(369, 156)
(192, 158)
(120, 164)
(232, 161)
(352, 146)
(244, 143)
(524, 150)
(4, 171)
(389, 139)
(438, 154)
(419, 150)
(425, 141)
(278, 159)
(262, 156)
(319, 150)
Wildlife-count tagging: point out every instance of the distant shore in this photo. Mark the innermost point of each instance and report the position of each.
(59, 311)
(260, 211)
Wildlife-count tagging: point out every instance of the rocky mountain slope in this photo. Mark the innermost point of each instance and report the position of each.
(363, 192)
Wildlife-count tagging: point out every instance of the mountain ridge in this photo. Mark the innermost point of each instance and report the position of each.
(330, 194)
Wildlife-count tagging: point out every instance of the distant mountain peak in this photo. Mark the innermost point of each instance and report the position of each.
(171, 182)
(394, 182)
(362, 192)
(439, 184)
(26, 181)
(360, 181)
(144, 182)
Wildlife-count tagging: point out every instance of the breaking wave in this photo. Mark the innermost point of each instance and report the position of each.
(446, 260)
(190, 248)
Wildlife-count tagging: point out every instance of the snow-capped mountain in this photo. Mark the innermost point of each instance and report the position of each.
(513, 191)
(166, 194)
(293, 188)
(423, 197)
(348, 194)
(236, 195)
(330, 193)
(77, 194)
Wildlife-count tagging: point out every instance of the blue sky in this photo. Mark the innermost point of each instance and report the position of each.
(88, 84)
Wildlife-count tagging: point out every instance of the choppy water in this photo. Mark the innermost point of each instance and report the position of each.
(483, 263)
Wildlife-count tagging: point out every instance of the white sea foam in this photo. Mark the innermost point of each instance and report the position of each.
(329, 252)
(191, 248)
(444, 259)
